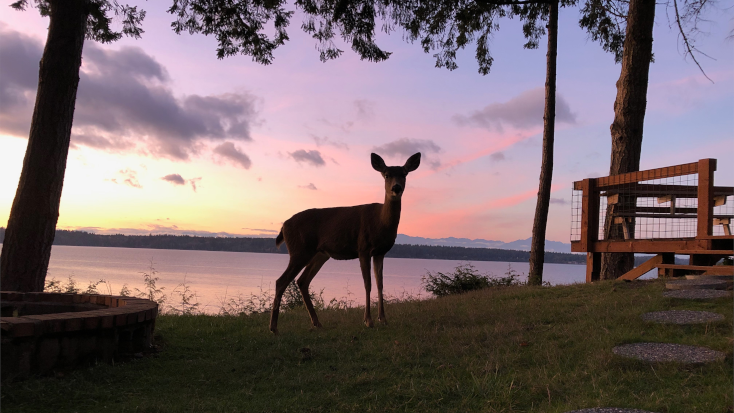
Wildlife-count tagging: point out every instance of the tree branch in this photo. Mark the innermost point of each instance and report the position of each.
(689, 48)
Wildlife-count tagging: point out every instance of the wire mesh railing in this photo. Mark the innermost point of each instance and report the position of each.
(658, 204)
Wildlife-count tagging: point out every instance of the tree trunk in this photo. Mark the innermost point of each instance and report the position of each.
(537, 248)
(629, 117)
(35, 211)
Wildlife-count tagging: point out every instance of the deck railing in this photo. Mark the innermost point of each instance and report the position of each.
(676, 209)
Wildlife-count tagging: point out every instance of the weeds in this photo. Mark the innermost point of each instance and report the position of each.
(187, 300)
(70, 287)
(150, 289)
(466, 278)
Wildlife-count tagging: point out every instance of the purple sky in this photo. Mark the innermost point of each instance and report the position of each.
(169, 139)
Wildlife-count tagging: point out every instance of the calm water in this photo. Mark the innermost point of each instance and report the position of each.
(214, 275)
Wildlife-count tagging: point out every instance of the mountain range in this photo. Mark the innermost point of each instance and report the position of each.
(519, 245)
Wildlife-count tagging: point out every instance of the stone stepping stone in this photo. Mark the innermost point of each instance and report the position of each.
(700, 284)
(682, 317)
(697, 294)
(666, 352)
(608, 410)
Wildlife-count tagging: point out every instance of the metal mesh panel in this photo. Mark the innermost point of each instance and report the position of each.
(576, 196)
(654, 209)
(661, 208)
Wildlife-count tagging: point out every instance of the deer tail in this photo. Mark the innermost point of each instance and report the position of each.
(279, 239)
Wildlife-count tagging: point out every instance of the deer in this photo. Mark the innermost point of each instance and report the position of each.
(366, 232)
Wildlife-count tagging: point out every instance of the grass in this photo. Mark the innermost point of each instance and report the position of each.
(514, 349)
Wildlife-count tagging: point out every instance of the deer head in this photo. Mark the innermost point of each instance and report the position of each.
(395, 175)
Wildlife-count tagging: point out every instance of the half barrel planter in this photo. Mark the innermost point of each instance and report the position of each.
(43, 332)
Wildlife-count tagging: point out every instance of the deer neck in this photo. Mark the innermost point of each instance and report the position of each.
(390, 215)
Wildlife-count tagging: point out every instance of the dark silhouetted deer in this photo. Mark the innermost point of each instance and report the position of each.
(345, 233)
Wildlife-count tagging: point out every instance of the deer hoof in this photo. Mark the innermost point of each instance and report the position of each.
(383, 320)
(274, 330)
(317, 325)
(369, 323)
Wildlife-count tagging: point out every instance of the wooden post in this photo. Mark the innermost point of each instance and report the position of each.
(593, 266)
(706, 168)
(667, 258)
(589, 214)
(590, 228)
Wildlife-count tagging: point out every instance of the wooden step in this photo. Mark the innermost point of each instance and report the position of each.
(710, 270)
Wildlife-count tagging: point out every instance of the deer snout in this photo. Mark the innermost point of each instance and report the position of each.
(397, 189)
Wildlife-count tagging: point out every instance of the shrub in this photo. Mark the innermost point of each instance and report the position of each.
(466, 278)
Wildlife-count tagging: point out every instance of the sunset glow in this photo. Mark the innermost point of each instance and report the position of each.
(168, 139)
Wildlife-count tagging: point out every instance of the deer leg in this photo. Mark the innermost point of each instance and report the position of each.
(377, 261)
(304, 281)
(295, 265)
(364, 263)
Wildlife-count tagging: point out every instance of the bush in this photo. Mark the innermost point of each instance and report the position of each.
(466, 278)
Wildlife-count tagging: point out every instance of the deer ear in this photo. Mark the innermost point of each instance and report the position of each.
(412, 163)
(378, 164)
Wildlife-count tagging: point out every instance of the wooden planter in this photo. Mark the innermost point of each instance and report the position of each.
(43, 332)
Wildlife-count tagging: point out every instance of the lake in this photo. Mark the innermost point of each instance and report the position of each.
(215, 275)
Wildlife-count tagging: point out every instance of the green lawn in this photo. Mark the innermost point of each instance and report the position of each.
(515, 349)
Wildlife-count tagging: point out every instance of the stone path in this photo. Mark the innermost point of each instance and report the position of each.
(699, 288)
(696, 294)
(699, 284)
(682, 317)
(662, 352)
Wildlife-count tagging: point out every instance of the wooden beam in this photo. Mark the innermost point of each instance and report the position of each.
(660, 190)
(708, 252)
(706, 168)
(649, 245)
(724, 222)
(718, 237)
(665, 215)
(659, 173)
(643, 268)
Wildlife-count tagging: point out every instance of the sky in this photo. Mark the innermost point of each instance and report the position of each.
(169, 139)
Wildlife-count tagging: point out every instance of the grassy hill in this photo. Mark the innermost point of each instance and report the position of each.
(515, 349)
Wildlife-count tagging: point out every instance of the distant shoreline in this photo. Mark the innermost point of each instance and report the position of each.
(267, 245)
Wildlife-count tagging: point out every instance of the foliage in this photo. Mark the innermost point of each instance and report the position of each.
(516, 349)
(187, 301)
(150, 289)
(605, 21)
(237, 25)
(466, 278)
(99, 22)
(92, 287)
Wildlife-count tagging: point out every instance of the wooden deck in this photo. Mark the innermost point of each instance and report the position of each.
(621, 193)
